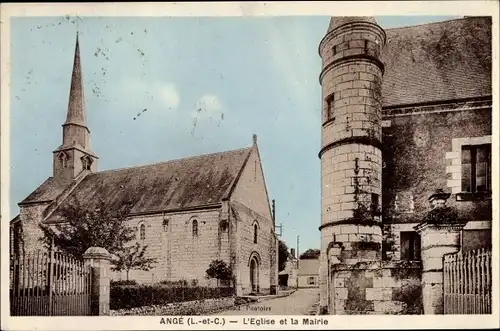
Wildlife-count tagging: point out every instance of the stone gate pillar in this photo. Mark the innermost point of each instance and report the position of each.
(440, 234)
(99, 259)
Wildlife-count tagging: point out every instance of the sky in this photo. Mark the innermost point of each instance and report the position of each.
(247, 75)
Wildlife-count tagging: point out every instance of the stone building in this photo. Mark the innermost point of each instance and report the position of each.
(288, 276)
(308, 273)
(188, 211)
(406, 111)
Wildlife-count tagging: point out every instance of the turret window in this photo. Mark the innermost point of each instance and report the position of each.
(330, 103)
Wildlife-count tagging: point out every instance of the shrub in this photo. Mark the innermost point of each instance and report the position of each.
(123, 282)
(131, 296)
(174, 283)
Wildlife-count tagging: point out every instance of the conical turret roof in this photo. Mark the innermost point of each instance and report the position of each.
(337, 21)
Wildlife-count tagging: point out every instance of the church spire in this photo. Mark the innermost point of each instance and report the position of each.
(76, 106)
(74, 155)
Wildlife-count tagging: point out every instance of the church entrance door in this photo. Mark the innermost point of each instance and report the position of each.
(254, 274)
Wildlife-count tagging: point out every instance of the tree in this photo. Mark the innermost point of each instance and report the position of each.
(282, 255)
(219, 270)
(311, 253)
(84, 227)
(133, 258)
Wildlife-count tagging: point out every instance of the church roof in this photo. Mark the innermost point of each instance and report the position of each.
(437, 62)
(46, 192)
(173, 185)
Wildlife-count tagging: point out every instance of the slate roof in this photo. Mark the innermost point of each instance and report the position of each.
(177, 184)
(308, 267)
(48, 191)
(437, 62)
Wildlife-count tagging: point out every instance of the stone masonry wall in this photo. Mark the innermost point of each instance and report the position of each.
(421, 154)
(30, 216)
(376, 288)
(179, 254)
(351, 160)
(251, 195)
(248, 249)
(251, 188)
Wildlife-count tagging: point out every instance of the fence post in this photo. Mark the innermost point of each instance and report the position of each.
(98, 259)
(440, 235)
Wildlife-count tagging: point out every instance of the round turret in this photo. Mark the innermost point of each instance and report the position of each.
(351, 157)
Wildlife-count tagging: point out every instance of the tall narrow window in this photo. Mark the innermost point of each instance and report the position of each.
(142, 232)
(410, 246)
(165, 225)
(195, 228)
(255, 228)
(86, 162)
(330, 103)
(476, 168)
(63, 159)
(374, 204)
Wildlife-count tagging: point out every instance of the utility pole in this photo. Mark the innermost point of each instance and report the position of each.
(273, 210)
(297, 261)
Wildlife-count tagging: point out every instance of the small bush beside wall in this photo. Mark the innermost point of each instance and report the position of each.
(123, 282)
(130, 296)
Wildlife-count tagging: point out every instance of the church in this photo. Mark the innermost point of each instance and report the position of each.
(188, 211)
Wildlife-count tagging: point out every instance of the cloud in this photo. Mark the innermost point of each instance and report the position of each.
(209, 105)
(163, 94)
(168, 94)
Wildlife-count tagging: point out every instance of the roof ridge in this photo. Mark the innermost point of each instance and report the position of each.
(430, 23)
(168, 161)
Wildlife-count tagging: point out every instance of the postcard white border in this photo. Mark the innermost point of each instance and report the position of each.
(341, 8)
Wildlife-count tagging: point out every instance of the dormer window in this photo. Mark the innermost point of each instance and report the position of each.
(86, 162)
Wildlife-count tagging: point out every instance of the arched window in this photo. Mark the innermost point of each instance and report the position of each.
(142, 232)
(255, 228)
(86, 162)
(63, 159)
(195, 228)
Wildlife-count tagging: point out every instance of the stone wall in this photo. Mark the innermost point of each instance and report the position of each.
(304, 281)
(179, 253)
(248, 249)
(30, 218)
(476, 234)
(422, 153)
(251, 201)
(375, 288)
